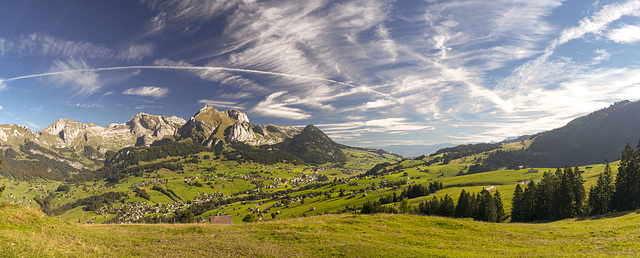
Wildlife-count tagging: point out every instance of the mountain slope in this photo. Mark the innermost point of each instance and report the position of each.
(314, 147)
(591, 138)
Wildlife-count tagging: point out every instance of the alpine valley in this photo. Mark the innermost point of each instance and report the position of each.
(217, 166)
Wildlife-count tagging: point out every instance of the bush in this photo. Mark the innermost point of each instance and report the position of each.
(63, 188)
(250, 218)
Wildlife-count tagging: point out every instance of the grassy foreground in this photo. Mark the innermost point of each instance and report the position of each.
(26, 232)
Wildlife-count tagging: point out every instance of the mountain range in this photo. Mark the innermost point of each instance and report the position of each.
(68, 146)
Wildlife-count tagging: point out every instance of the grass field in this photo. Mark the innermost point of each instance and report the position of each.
(25, 232)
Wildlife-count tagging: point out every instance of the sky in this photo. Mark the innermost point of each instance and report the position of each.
(368, 73)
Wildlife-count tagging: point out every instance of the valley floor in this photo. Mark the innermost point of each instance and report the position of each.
(27, 232)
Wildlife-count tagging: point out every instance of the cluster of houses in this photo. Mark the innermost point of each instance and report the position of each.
(157, 181)
(133, 211)
(204, 197)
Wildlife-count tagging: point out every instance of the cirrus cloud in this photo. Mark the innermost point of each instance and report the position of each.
(147, 91)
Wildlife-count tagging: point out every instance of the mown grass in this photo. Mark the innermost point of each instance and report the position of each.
(26, 232)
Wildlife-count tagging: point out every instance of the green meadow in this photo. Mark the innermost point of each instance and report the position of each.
(25, 232)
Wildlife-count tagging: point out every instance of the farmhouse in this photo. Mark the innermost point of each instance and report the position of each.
(223, 220)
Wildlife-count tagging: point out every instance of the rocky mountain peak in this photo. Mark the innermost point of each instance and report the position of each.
(238, 115)
(206, 108)
(149, 128)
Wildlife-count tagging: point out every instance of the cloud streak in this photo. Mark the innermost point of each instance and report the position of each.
(184, 68)
(147, 91)
(43, 45)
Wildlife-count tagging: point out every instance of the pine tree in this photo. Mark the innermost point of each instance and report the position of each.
(434, 206)
(601, 195)
(635, 179)
(594, 202)
(500, 215)
(447, 207)
(486, 207)
(517, 205)
(463, 209)
(529, 202)
(423, 208)
(545, 205)
(623, 199)
(579, 193)
(473, 211)
(405, 206)
(564, 198)
(608, 188)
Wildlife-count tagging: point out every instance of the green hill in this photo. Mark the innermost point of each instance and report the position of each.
(314, 147)
(26, 232)
(590, 139)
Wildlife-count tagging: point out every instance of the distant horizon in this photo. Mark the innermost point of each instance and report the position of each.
(368, 73)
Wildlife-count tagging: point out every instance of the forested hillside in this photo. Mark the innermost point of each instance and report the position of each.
(591, 139)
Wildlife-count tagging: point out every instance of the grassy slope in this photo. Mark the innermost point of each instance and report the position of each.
(25, 231)
(504, 180)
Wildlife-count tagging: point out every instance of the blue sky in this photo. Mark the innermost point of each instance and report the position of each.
(367, 72)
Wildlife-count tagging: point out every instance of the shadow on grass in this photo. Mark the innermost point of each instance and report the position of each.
(609, 215)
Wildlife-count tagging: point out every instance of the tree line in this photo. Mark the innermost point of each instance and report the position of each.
(557, 196)
(562, 195)
(482, 206)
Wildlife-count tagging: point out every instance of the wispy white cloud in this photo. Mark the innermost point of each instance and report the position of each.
(147, 91)
(216, 75)
(3, 85)
(32, 124)
(186, 16)
(85, 105)
(76, 74)
(222, 104)
(601, 55)
(273, 106)
(596, 23)
(1, 107)
(626, 34)
(352, 129)
(43, 45)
